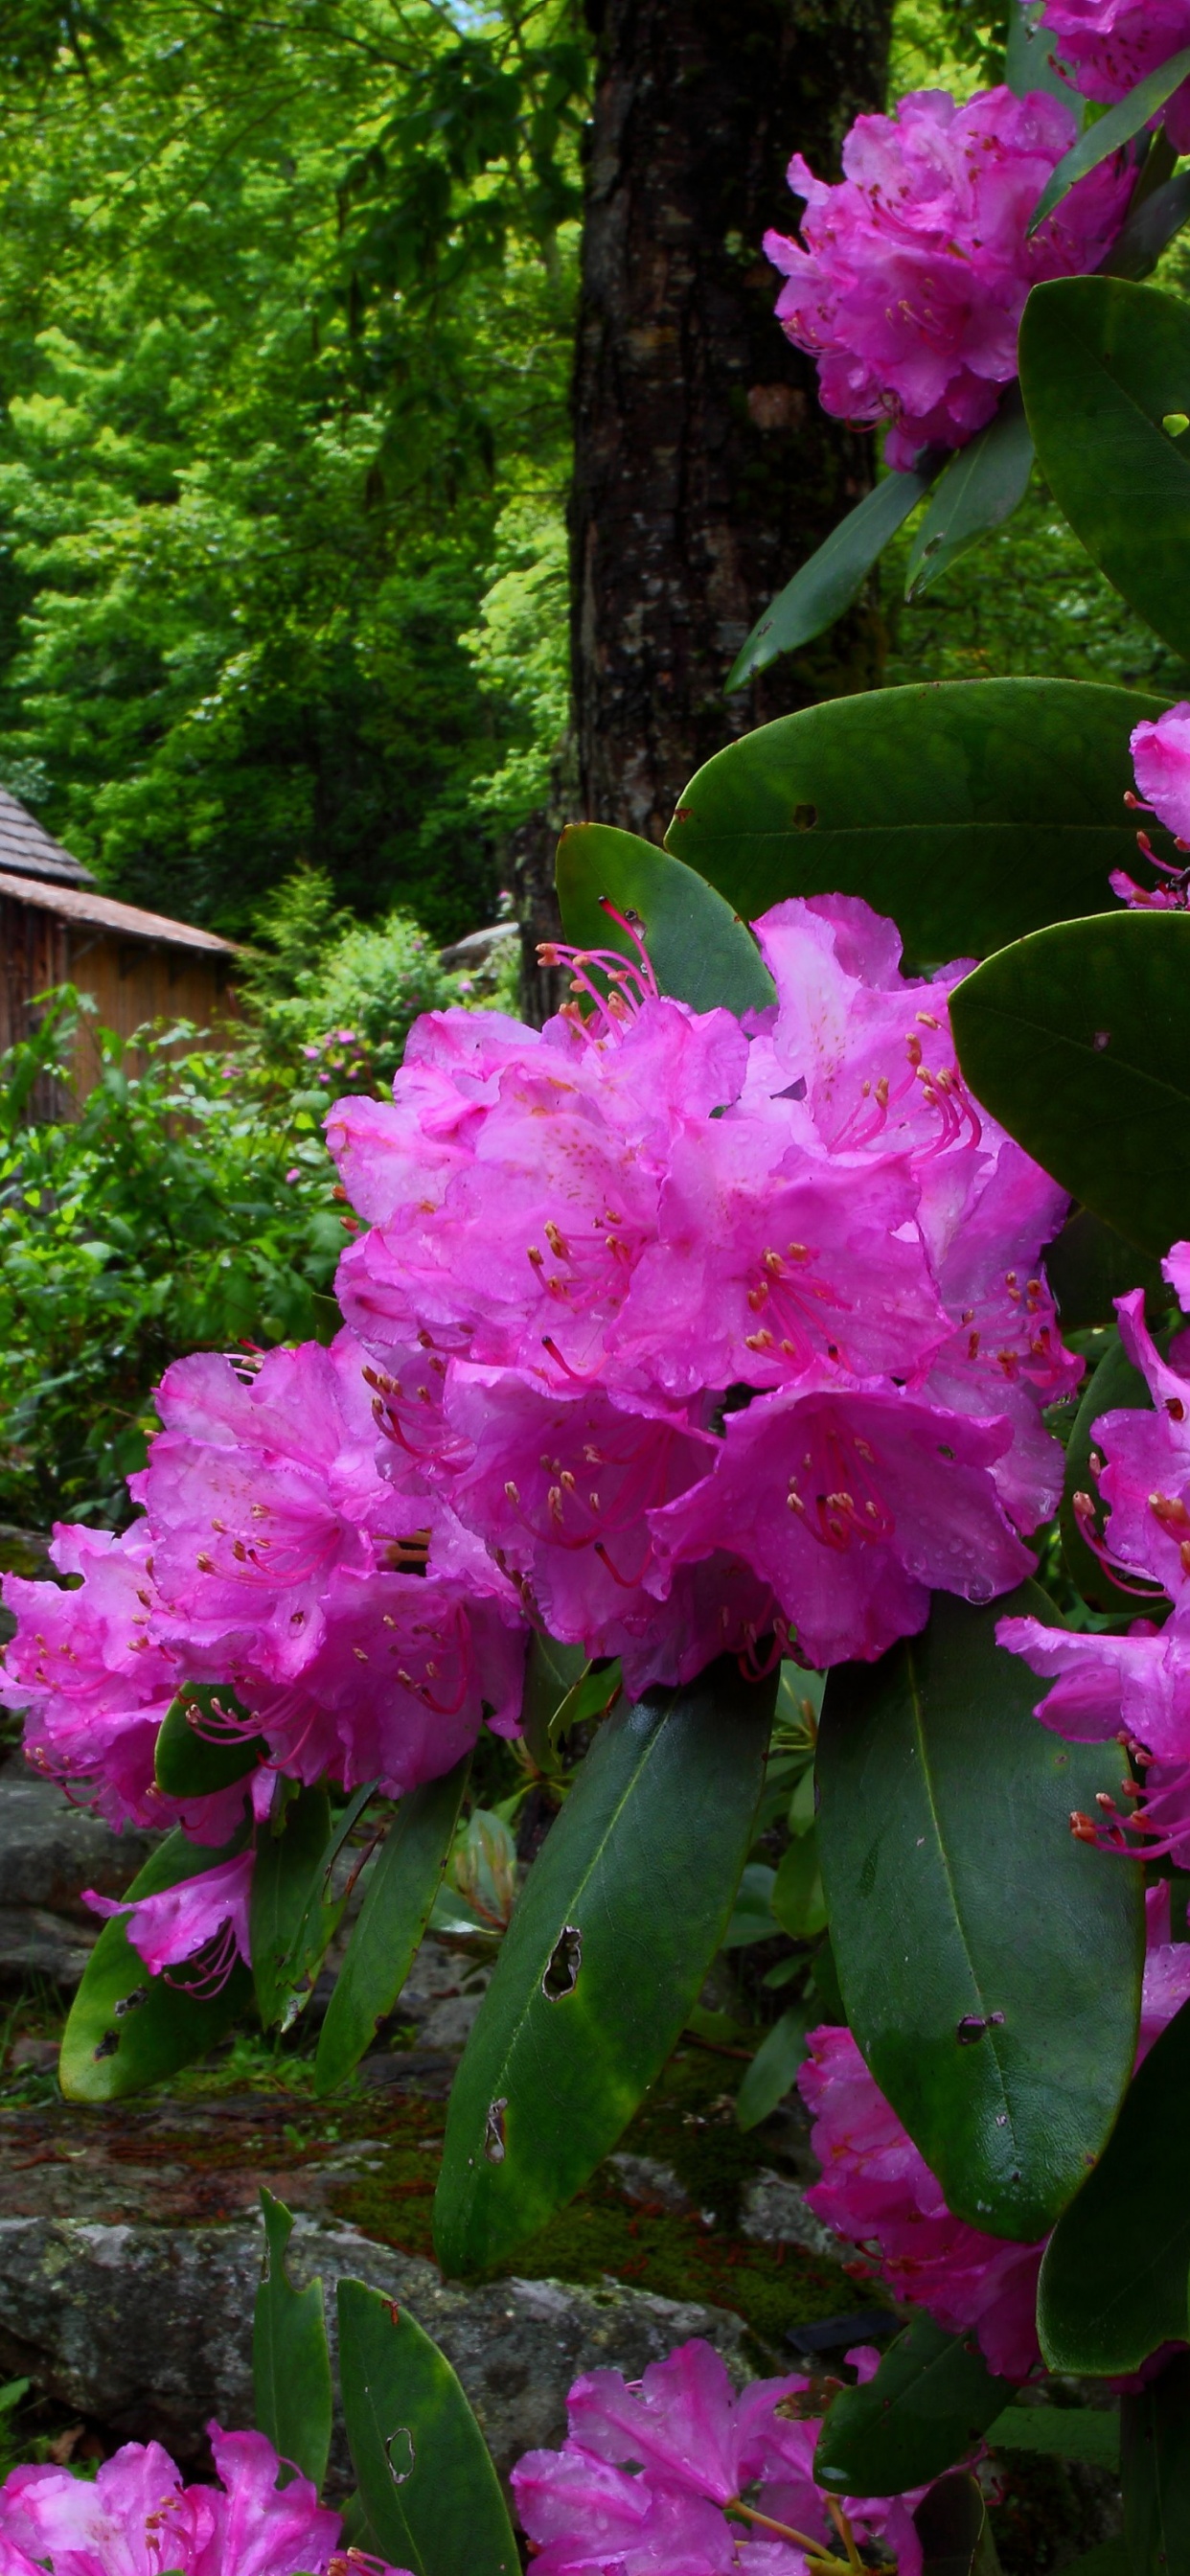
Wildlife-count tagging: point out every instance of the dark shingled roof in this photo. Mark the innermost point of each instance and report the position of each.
(102, 912)
(27, 851)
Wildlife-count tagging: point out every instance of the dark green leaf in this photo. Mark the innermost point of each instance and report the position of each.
(1111, 132)
(426, 2479)
(971, 810)
(1103, 364)
(1089, 1265)
(832, 577)
(622, 1913)
(1150, 226)
(929, 2403)
(186, 1763)
(1078, 1040)
(1113, 2281)
(1155, 2460)
(290, 1924)
(291, 2366)
(1028, 60)
(594, 1694)
(1108, 2558)
(1114, 1385)
(698, 948)
(396, 1908)
(798, 1900)
(127, 2029)
(980, 489)
(551, 1672)
(952, 2526)
(752, 1917)
(773, 2073)
(944, 1827)
(1090, 2433)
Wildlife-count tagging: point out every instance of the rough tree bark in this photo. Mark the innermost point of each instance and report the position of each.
(705, 470)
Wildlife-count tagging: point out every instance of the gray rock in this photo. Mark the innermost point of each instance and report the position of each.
(773, 2211)
(148, 2329)
(50, 1851)
(36, 1944)
(645, 2178)
(479, 947)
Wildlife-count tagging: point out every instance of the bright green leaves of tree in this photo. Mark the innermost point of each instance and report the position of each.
(126, 2028)
(426, 2481)
(969, 1927)
(1104, 365)
(972, 812)
(1076, 1040)
(623, 1912)
(291, 2370)
(699, 949)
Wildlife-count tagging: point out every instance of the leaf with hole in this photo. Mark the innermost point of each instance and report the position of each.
(196, 1752)
(426, 2479)
(700, 952)
(392, 1919)
(950, 1871)
(930, 2402)
(125, 2028)
(969, 810)
(980, 489)
(1111, 131)
(832, 577)
(291, 2366)
(1103, 364)
(630, 1896)
(1111, 2290)
(1078, 1040)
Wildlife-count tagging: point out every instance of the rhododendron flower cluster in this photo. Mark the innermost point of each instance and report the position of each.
(681, 2474)
(1161, 761)
(136, 2516)
(878, 2191)
(1134, 1686)
(709, 1330)
(912, 272)
(1106, 46)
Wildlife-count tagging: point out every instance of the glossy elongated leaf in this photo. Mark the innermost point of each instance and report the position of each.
(833, 576)
(1078, 1040)
(127, 2029)
(426, 2479)
(290, 1924)
(1111, 132)
(188, 1763)
(699, 950)
(1150, 226)
(798, 1900)
(1028, 60)
(932, 2398)
(1114, 1385)
(551, 1671)
(944, 1830)
(773, 2073)
(622, 1913)
(291, 2365)
(1155, 2461)
(1088, 2433)
(980, 489)
(952, 2526)
(1103, 364)
(971, 811)
(752, 1917)
(1089, 1265)
(394, 1914)
(1111, 2292)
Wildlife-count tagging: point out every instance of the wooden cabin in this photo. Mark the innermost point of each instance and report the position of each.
(56, 928)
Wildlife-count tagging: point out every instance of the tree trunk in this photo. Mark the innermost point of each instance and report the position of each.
(705, 470)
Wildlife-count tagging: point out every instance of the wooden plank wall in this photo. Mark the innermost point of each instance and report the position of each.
(132, 981)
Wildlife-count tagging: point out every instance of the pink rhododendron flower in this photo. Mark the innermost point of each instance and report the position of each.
(206, 1913)
(915, 268)
(642, 2483)
(1161, 761)
(657, 1269)
(137, 2517)
(1135, 1686)
(1107, 46)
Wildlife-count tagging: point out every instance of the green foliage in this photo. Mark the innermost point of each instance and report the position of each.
(392, 1919)
(1106, 2301)
(931, 2399)
(338, 991)
(698, 948)
(188, 1206)
(126, 2028)
(291, 2368)
(426, 2479)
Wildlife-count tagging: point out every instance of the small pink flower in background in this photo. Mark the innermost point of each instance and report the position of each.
(652, 2479)
(206, 1913)
(293, 1174)
(916, 265)
(1107, 46)
(136, 2516)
